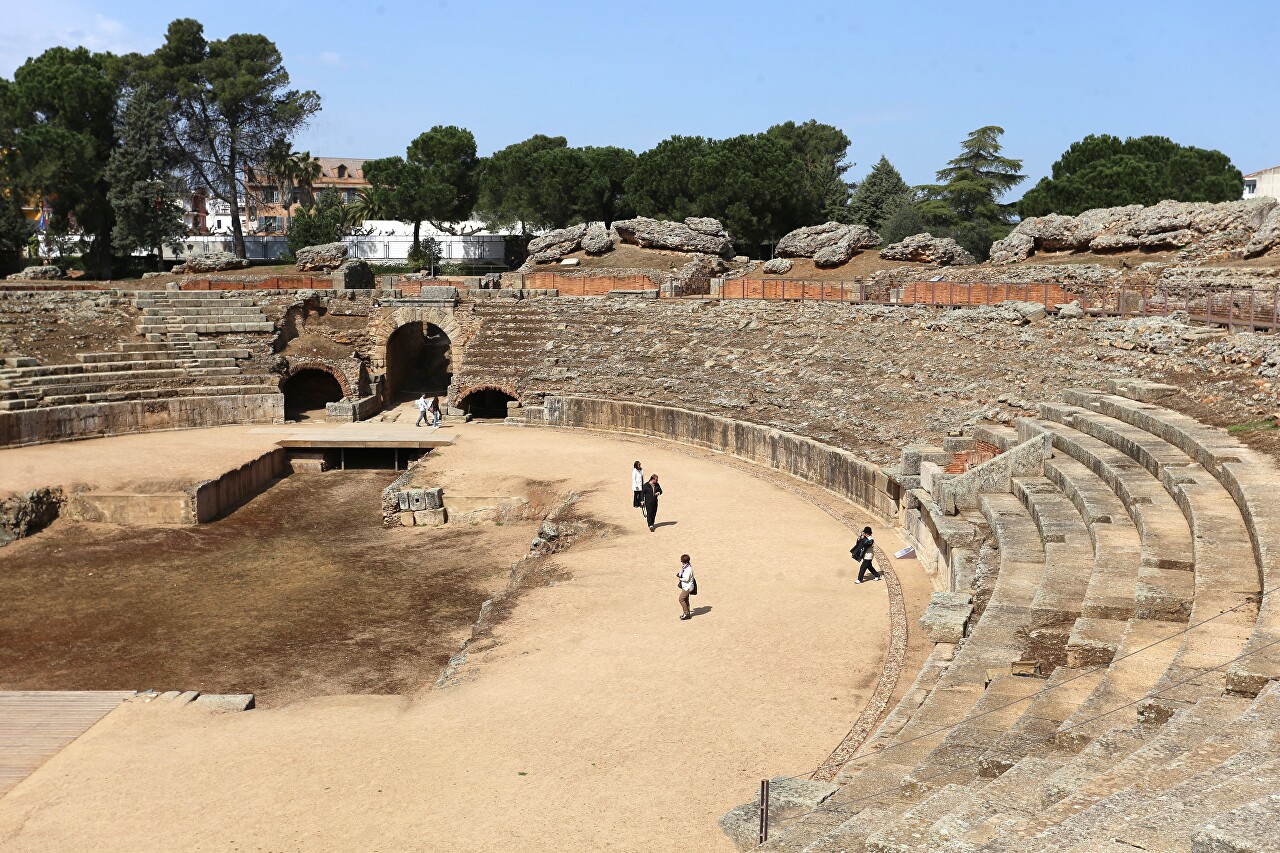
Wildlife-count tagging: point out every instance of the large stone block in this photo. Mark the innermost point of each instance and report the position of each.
(946, 619)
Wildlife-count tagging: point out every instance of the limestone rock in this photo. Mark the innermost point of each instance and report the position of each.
(1167, 239)
(43, 273)
(1199, 229)
(323, 258)
(596, 239)
(675, 236)
(1113, 243)
(554, 245)
(829, 244)
(1072, 311)
(927, 249)
(1267, 237)
(1016, 247)
(705, 225)
(213, 262)
(777, 266)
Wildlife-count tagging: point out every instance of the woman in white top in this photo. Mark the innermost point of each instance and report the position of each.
(637, 486)
(687, 585)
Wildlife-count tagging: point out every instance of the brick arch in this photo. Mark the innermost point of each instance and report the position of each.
(463, 393)
(299, 365)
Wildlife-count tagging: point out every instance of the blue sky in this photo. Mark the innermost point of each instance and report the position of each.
(907, 79)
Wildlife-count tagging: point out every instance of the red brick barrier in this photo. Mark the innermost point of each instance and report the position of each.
(279, 282)
(579, 285)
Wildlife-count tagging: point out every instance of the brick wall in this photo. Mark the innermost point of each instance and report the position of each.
(582, 285)
(778, 288)
(952, 293)
(281, 282)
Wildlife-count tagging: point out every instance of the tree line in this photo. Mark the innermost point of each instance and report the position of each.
(112, 143)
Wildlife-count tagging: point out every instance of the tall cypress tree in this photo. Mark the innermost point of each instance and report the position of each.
(879, 195)
(142, 188)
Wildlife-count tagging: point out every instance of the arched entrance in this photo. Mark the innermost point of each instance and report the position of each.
(418, 361)
(307, 391)
(486, 403)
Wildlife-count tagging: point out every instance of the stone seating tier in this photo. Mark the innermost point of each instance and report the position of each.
(1130, 569)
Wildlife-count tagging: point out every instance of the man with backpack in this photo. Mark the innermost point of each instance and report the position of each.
(864, 553)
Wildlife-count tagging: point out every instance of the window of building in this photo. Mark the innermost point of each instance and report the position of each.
(348, 196)
(342, 171)
(269, 195)
(1250, 187)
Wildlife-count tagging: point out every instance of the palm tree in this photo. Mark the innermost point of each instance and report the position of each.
(372, 203)
(304, 172)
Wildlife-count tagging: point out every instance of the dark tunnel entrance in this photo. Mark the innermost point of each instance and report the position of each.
(306, 393)
(486, 403)
(418, 362)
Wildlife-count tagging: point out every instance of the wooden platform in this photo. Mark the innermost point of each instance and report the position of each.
(362, 434)
(36, 724)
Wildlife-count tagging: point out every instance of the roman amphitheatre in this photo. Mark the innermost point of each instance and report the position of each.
(249, 604)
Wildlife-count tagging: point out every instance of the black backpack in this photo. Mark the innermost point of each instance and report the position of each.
(859, 551)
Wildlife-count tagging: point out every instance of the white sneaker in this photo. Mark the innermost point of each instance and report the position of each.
(858, 581)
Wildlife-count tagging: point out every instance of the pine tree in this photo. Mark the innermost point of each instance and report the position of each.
(141, 186)
(970, 187)
(879, 194)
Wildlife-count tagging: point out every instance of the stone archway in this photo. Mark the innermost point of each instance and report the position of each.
(486, 401)
(307, 391)
(350, 390)
(418, 362)
(385, 327)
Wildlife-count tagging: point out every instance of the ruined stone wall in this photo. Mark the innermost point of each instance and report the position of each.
(867, 379)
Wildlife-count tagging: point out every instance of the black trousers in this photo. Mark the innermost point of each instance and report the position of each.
(651, 512)
(636, 497)
(867, 567)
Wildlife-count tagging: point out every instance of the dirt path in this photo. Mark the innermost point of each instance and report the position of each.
(156, 460)
(597, 721)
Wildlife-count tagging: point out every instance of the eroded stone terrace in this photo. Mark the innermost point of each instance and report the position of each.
(866, 378)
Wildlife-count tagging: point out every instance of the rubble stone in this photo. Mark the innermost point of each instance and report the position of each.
(927, 249)
(323, 258)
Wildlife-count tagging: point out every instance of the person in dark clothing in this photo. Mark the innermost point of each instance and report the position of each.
(650, 494)
(864, 553)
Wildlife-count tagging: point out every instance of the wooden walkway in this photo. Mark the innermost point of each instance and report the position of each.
(36, 724)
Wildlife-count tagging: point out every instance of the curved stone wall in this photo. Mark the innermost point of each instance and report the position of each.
(836, 470)
(94, 420)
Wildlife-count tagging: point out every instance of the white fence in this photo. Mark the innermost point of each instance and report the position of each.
(477, 248)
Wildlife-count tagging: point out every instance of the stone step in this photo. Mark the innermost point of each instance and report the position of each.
(1249, 828)
(1145, 653)
(1183, 732)
(1250, 479)
(1165, 585)
(1117, 543)
(45, 383)
(1069, 557)
(161, 394)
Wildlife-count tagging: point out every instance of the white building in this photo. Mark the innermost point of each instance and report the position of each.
(1266, 182)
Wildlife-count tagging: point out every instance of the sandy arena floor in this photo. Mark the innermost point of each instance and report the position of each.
(597, 721)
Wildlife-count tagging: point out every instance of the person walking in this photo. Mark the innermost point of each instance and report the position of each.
(650, 494)
(688, 585)
(435, 411)
(637, 486)
(422, 406)
(864, 553)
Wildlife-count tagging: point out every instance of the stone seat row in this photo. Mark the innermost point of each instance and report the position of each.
(1130, 569)
(210, 387)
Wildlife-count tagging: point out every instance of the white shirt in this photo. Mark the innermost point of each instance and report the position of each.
(686, 578)
(637, 479)
(421, 404)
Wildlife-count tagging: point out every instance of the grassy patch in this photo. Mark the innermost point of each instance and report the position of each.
(1253, 426)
